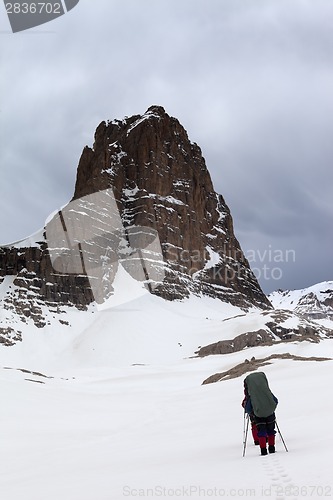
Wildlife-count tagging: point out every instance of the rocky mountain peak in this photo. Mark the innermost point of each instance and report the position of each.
(160, 180)
(122, 148)
(146, 190)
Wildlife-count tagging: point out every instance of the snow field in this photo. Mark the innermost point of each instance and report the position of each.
(155, 431)
(124, 413)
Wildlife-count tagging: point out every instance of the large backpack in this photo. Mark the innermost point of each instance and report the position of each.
(263, 401)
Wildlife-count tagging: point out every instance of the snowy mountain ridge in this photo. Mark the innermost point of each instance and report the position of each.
(143, 200)
(314, 302)
(135, 327)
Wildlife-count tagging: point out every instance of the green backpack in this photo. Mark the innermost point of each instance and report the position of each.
(263, 401)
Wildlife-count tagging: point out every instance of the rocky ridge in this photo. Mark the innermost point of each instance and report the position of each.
(314, 302)
(274, 327)
(160, 181)
(253, 364)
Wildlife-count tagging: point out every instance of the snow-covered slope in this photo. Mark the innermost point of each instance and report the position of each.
(315, 302)
(135, 327)
(154, 431)
(109, 403)
(132, 327)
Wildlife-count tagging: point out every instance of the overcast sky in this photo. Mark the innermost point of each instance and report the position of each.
(250, 80)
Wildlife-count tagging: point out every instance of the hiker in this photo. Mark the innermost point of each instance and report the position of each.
(260, 403)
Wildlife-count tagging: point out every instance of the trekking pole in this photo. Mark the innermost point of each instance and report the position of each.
(245, 433)
(284, 444)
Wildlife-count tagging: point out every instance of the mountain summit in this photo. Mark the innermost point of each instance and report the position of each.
(147, 195)
(160, 180)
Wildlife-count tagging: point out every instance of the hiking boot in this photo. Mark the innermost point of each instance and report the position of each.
(271, 448)
(263, 451)
(256, 442)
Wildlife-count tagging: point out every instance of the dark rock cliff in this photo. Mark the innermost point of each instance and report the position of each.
(160, 180)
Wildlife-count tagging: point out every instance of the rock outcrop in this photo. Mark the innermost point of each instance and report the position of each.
(277, 326)
(33, 286)
(253, 364)
(160, 181)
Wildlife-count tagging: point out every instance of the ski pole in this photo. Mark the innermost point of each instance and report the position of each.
(245, 433)
(284, 444)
